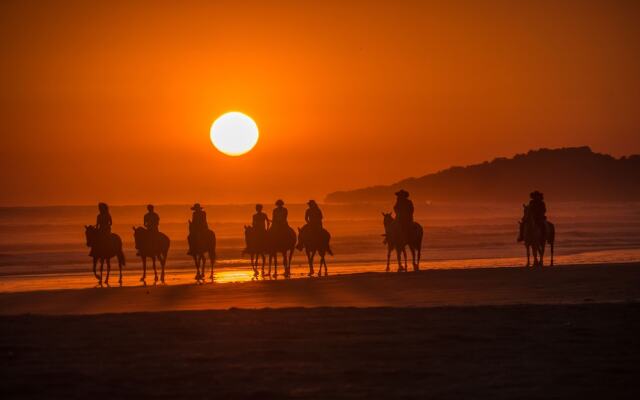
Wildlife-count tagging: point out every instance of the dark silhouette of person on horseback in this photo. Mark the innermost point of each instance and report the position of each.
(103, 220)
(538, 210)
(279, 216)
(404, 211)
(260, 221)
(313, 216)
(103, 224)
(151, 219)
(199, 226)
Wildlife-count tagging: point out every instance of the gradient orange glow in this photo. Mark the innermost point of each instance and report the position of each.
(114, 101)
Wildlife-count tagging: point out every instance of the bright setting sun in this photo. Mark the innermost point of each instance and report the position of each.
(234, 133)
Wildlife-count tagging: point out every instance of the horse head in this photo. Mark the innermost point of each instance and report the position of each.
(90, 234)
(387, 219)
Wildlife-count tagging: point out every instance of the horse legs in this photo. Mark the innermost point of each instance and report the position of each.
(323, 261)
(119, 272)
(196, 261)
(275, 265)
(551, 262)
(310, 261)
(399, 256)
(101, 269)
(155, 271)
(389, 249)
(541, 252)
(413, 257)
(144, 269)
(289, 261)
(211, 261)
(163, 262)
(534, 250)
(254, 263)
(106, 281)
(95, 273)
(404, 253)
(526, 246)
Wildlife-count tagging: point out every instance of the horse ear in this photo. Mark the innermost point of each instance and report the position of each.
(383, 214)
(299, 230)
(86, 227)
(133, 227)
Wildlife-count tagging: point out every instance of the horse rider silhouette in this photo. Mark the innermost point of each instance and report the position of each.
(538, 209)
(404, 211)
(151, 221)
(103, 222)
(279, 216)
(313, 216)
(199, 224)
(260, 220)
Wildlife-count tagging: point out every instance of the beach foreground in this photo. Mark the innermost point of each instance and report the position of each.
(486, 352)
(564, 332)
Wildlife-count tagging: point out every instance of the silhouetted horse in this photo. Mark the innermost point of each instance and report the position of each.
(313, 241)
(103, 248)
(157, 248)
(256, 246)
(398, 240)
(533, 238)
(281, 240)
(201, 243)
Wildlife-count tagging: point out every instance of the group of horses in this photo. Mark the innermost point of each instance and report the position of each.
(283, 240)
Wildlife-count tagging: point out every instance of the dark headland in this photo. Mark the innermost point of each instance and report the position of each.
(566, 174)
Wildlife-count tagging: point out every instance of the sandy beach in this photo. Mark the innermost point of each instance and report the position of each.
(562, 332)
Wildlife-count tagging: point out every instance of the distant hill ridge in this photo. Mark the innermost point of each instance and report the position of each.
(567, 174)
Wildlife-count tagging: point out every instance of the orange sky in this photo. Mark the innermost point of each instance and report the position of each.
(114, 102)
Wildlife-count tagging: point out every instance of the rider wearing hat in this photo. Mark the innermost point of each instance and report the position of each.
(199, 218)
(538, 210)
(198, 226)
(313, 215)
(404, 210)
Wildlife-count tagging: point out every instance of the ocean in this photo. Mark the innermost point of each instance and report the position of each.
(44, 247)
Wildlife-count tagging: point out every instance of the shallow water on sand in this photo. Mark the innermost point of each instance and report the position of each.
(43, 247)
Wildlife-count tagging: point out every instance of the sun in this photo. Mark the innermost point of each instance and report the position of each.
(234, 133)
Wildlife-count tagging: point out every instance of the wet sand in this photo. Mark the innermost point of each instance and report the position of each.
(563, 332)
(489, 286)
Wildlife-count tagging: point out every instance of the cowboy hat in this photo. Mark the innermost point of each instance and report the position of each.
(402, 193)
(536, 194)
(311, 202)
(279, 202)
(196, 207)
